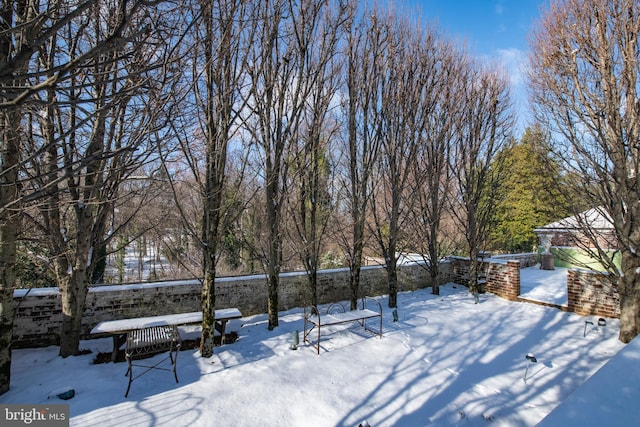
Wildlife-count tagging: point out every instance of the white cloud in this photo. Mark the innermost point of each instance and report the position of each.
(514, 61)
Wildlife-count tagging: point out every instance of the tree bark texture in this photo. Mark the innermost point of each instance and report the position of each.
(9, 220)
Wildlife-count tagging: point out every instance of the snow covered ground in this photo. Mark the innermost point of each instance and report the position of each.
(544, 285)
(446, 362)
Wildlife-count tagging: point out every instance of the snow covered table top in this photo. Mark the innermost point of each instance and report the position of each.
(124, 325)
(348, 316)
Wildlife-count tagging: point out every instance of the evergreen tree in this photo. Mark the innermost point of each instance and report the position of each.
(530, 194)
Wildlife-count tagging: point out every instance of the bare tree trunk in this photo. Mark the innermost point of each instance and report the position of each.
(273, 66)
(15, 35)
(473, 242)
(9, 159)
(274, 260)
(220, 45)
(630, 297)
(74, 287)
(358, 174)
(434, 264)
(212, 186)
(355, 266)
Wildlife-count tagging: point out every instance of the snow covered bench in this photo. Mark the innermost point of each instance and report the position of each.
(336, 314)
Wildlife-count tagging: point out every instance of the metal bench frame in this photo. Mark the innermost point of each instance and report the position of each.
(337, 314)
(145, 342)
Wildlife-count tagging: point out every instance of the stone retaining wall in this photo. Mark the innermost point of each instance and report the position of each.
(38, 314)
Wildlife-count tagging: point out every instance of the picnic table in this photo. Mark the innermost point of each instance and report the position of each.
(119, 328)
(146, 336)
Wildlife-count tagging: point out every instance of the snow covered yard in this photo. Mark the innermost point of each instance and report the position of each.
(446, 362)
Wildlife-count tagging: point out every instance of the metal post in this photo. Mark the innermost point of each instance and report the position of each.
(530, 359)
(586, 322)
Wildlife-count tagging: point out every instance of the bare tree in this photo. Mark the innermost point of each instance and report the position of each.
(223, 40)
(409, 72)
(281, 77)
(365, 45)
(584, 83)
(93, 130)
(481, 131)
(28, 29)
(9, 224)
(14, 28)
(432, 174)
(311, 200)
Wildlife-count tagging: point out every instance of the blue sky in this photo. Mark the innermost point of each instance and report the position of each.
(495, 29)
(487, 25)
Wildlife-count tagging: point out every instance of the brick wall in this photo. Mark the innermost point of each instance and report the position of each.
(38, 314)
(504, 279)
(592, 293)
(528, 259)
(589, 293)
(501, 274)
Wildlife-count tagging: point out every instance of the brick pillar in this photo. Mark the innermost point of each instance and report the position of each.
(512, 280)
(573, 291)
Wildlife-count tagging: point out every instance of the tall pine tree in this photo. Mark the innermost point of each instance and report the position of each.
(530, 193)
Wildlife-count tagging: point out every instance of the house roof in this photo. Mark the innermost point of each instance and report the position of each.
(596, 218)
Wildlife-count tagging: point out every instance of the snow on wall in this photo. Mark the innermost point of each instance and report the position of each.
(38, 314)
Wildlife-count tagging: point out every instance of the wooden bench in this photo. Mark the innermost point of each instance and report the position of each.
(147, 336)
(336, 314)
